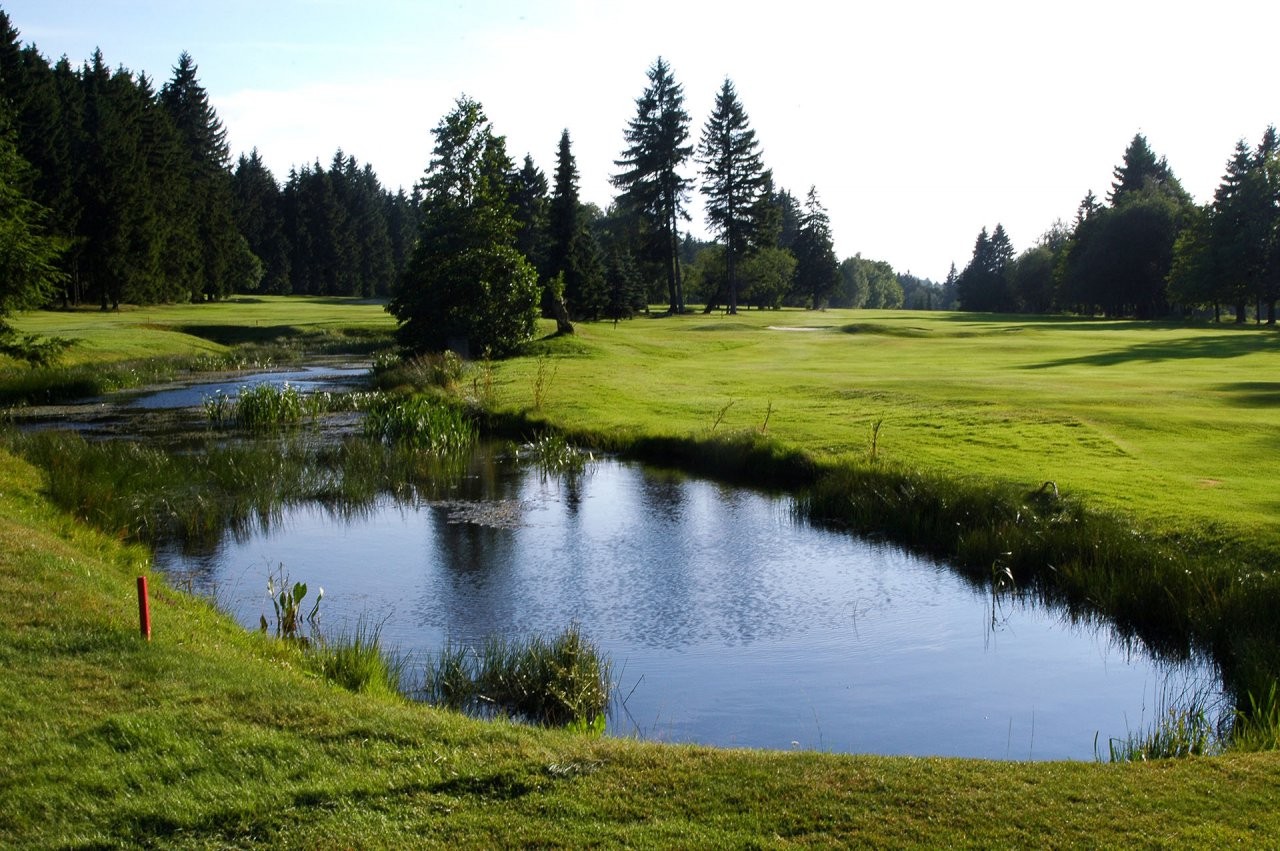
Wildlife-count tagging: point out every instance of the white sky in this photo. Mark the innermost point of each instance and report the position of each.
(919, 122)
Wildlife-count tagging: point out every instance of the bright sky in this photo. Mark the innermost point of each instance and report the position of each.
(919, 122)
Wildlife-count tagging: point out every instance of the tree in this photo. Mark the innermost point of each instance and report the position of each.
(529, 195)
(734, 181)
(209, 202)
(650, 180)
(29, 273)
(467, 287)
(259, 216)
(1141, 169)
(817, 271)
(572, 249)
(984, 285)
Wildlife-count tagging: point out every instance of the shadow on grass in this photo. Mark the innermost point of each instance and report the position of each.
(1217, 347)
(1253, 394)
(234, 335)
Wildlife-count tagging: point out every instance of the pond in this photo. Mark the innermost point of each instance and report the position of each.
(729, 621)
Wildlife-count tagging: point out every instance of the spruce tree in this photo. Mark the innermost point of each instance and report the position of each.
(650, 180)
(209, 189)
(572, 249)
(734, 181)
(817, 270)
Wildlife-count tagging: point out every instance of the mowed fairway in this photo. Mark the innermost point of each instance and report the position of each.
(1175, 425)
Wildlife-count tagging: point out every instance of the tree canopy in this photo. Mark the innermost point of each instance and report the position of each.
(650, 179)
(467, 287)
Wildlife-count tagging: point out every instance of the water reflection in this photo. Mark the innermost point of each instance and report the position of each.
(728, 622)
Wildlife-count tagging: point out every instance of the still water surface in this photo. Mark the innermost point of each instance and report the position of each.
(729, 622)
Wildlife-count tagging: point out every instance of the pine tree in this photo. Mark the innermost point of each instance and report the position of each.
(734, 181)
(466, 286)
(817, 270)
(259, 217)
(29, 272)
(572, 249)
(209, 189)
(651, 184)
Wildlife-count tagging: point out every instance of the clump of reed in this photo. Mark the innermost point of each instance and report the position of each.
(420, 423)
(562, 681)
(260, 408)
(357, 661)
(554, 454)
(1256, 727)
(1182, 728)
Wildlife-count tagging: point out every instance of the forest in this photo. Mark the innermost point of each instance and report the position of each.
(128, 193)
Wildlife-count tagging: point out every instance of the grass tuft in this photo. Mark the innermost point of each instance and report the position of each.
(559, 682)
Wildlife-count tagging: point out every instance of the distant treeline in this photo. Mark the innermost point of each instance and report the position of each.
(138, 186)
(1149, 251)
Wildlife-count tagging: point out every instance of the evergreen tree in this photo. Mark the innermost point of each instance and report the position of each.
(1140, 170)
(209, 189)
(467, 286)
(29, 272)
(734, 181)
(817, 271)
(657, 146)
(259, 215)
(982, 285)
(625, 291)
(571, 247)
(531, 212)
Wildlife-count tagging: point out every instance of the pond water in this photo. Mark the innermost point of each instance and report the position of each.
(729, 622)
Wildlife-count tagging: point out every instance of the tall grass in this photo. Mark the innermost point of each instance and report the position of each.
(420, 423)
(357, 661)
(1182, 728)
(560, 681)
(431, 371)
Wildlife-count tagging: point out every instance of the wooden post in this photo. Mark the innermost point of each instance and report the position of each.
(144, 609)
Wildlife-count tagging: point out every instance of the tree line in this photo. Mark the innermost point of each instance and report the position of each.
(1149, 251)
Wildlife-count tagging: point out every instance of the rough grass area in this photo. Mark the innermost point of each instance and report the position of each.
(209, 736)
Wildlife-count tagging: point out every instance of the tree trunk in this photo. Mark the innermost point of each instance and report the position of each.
(1241, 318)
(561, 313)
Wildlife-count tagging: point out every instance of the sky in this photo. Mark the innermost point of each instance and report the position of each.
(919, 123)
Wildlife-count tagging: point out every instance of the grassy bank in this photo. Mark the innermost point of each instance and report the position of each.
(211, 737)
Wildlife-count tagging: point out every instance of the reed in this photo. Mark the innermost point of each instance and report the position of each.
(420, 423)
(560, 681)
(357, 661)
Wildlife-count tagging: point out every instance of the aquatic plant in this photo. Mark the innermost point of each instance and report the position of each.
(286, 600)
(556, 682)
(420, 423)
(1179, 732)
(554, 454)
(436, 370)
(268, 407)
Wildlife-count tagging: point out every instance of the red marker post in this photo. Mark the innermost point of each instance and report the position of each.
(144, 609)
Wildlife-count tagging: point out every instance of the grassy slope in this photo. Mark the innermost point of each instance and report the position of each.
(209, 736)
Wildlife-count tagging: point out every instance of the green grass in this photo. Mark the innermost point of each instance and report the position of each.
(1170, 424)
(209, 736)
